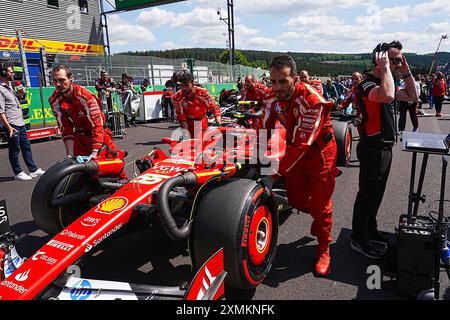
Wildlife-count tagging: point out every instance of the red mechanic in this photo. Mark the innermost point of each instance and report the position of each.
(253, 91)
(79, 117)
(192, 103)
(309, 164)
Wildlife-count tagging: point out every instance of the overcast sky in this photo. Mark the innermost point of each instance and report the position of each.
(338, 26)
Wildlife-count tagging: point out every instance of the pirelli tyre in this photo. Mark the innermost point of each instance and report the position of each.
(238, 215)
(343, 135)
(66, 182)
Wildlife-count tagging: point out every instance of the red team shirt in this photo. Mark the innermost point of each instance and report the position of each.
(306, 118)
(195, 105)
(257, 93)
(83, 114)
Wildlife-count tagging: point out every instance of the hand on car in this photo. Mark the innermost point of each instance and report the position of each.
(267, 182)
(93, 155)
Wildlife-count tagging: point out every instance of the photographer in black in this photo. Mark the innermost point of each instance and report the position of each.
(377, 132)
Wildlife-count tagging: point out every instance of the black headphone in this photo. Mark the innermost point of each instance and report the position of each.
(383, 46)
(3, 67)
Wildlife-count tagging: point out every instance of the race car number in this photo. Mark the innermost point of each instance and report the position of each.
(151, 178)
(4, 224)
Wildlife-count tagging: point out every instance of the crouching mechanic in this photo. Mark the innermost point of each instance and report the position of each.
(309, 164)
(79, 117)
(191, 105)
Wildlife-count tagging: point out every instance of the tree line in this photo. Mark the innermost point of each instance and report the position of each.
(320, 64)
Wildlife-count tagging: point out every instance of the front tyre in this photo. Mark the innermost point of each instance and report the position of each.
(238, 216)
(48, 217)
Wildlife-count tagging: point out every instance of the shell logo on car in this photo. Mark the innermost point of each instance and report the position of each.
(112, 205)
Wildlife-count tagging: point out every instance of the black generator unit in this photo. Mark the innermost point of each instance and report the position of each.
(417, 245)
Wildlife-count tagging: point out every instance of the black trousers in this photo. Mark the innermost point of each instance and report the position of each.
(438, 103)
(412, 109)
(166, 107)
(375, 163)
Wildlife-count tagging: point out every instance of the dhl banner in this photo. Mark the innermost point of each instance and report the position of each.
(32, 45)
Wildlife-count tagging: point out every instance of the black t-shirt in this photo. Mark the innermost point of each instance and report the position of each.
(378, 121)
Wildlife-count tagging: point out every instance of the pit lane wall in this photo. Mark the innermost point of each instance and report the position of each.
(37, 115)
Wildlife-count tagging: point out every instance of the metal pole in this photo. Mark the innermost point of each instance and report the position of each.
(230, 41)
(23, 57)
(41, 93)
(231, 4)
(435, 55)
(45, 77)
(230, 64)
(104, 21)
(152, 72)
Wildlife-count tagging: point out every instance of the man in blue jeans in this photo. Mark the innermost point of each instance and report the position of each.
(11, 119)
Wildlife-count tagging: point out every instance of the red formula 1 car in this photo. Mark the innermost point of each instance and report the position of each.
(200, 193)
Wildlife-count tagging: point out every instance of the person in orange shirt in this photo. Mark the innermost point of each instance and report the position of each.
(192, 103)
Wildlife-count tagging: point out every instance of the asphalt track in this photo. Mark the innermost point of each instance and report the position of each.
(150, 257)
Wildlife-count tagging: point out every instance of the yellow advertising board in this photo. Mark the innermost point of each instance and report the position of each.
(33, 45)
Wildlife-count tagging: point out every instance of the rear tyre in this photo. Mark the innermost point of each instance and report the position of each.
(343, 134)
(52, 219)
(238, 216)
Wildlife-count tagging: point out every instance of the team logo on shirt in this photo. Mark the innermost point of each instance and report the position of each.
(296, 112)
(277, 107)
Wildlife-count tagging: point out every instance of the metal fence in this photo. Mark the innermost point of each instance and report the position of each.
(86, 69)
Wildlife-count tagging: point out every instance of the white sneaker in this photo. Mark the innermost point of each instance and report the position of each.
(22, 176)
(39, 172)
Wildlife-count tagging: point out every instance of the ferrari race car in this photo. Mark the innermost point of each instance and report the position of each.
(247, 114)
(82, 204)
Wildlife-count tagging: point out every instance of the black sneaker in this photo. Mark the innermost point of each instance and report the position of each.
(367, 250)
(379, 237)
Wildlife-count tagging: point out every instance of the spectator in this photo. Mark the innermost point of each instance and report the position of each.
(377, 136)
(438, 92)
(11, 118)
(330, 92)
(144, 85)
(170, 89)
(430, 90)
(408, 105)
(239, 84)
(265, 80)
(105, 86)
(127, 91)
(341, 90)
(423, 93)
